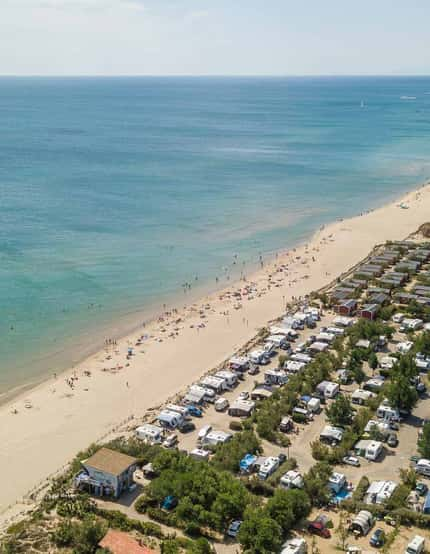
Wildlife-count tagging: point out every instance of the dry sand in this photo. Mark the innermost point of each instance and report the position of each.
(60, 420)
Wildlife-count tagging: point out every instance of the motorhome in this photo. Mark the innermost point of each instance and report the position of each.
(269, 466)
(292, 480)
(151, 434)
(331, 435)
(298, 357)
(374, 385)
(385, 411)
(328, 389)
(239, 363)
(325, 337)
(337, 331)
(178, 409)
(342, 321)
(360, 396)
(307, 414)
(200, 454)
(411, 325)
(416, 545)
(379, 492)
(423, 467)
(374, 450)
(387, 362)
(422, 362)
(297, 545)
(259, 357)
(286, 424)
(214, 383)
(221, 404)
(404, 347)
(293, 367)
(336, 482)
(169, 419)
(216, 437)
(275, 377)
(279, 341)
(241, 408)
(229, 377)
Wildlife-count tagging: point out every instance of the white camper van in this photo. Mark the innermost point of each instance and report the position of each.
(416, 546)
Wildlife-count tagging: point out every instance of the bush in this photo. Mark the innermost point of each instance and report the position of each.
(235, 425)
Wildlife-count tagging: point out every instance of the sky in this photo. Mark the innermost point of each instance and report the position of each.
(214, 37)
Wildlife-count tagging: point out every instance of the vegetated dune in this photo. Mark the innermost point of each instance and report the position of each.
(424, 230)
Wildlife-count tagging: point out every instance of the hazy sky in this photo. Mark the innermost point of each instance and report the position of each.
(159, 37)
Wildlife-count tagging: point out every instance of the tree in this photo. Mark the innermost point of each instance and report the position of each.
(373, 361)
(342, 529)
(424, 441)
(316, 483)
(259, 533)
(340, 412)
(400, 394)
(287, 507)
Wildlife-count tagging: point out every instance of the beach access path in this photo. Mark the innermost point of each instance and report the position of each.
(65, 414)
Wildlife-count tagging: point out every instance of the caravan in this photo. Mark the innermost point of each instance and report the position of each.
(269, 466)
(150, 434)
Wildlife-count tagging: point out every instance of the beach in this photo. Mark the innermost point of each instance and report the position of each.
(43, 429)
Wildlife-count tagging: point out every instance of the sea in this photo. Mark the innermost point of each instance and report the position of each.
(121, 196)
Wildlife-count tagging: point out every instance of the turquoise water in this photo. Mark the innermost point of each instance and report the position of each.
(114, 192)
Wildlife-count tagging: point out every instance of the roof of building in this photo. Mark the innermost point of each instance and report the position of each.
(122, 543)
(110, 461)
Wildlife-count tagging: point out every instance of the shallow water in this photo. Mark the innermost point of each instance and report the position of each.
(115, 192)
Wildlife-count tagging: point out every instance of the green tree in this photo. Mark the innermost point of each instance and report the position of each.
(399, 392)
(340, 412)
(424, 441)
(316, 483)
(259, 533)
(373, 361)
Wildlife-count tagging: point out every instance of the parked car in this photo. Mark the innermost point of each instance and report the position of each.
(392, 440)
(318, 528)
(421, 488)
(170, 440)
(351, 461)
(195, 411)
(378, 538)
(244, 395)
(282, 458)
(253, 369)
(187, 427)
(233, 528)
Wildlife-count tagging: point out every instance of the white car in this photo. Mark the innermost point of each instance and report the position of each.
(170, 441)
(244, 395)
(351, 461)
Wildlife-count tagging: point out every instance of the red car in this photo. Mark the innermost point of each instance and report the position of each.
(318, 528)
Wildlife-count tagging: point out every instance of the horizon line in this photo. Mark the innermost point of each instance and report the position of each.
(216, 75)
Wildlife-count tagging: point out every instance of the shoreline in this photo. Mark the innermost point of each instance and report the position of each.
(65, 419)
(127, 323)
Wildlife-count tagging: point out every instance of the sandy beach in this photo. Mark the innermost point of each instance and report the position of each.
(44, 428)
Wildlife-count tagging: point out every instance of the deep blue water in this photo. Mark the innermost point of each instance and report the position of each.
(114, 192)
